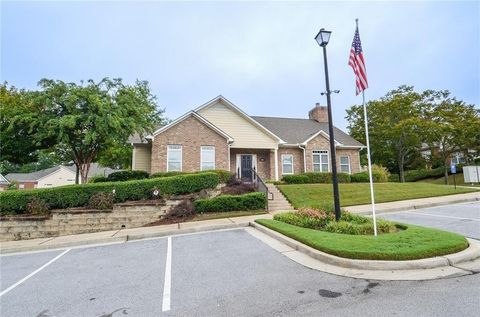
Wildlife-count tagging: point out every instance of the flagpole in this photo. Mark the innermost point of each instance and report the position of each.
(372, 197)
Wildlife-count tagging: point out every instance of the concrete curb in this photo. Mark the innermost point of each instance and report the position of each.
(439, 266)
(120, 239)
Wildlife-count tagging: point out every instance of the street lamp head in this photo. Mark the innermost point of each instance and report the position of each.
(323, 37)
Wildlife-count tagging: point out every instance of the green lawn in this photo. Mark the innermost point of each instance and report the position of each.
(413, 243)
(441, 181)
(318, 195)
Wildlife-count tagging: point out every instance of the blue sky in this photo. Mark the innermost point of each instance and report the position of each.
(259, 55)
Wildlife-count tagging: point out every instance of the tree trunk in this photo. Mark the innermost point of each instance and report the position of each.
(84, 169)
(77, 174)
(400, 168)
(446, 175)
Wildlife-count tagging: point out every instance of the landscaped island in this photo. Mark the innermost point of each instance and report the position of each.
(352, 236)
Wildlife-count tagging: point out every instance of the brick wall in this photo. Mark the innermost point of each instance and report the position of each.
(263, 161)
(297, 160)
(191, 134)
(321, 143)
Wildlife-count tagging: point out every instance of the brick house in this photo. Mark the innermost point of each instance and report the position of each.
(219, 135)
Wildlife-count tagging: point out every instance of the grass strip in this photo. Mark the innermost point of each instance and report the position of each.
(410, 244)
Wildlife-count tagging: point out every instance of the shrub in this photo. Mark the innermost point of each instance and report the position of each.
(380, 174)
(101, 200)
(344, 178)
(238, 189)
(315, 178)
(325, 220)
(122, 176)
(79, 195)
(165, 174)
(185, 209)
(37, 206)
(251, 201)
(306, 218)
(223, 176)
(98, 179)
(416, 175)
(362, 177)
(296, 179)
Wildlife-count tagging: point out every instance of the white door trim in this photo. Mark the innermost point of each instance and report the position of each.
(239, 161)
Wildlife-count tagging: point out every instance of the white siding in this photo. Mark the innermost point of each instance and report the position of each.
(245, 133)
(60, 177)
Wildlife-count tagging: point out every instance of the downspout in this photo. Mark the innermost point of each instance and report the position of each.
(229, 143)
(304, 158)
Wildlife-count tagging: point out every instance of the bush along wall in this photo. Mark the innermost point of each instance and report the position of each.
(315, 178)
(250, 201)
(223, 176)
(12, 202)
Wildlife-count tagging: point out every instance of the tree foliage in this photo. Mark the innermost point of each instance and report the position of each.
(88, 118)
(403, 121)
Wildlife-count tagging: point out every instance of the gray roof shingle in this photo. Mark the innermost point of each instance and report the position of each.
(296, 131)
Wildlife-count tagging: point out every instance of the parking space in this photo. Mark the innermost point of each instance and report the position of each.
(460, 218)
(222, 273)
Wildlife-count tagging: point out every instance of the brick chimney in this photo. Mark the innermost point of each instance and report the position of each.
(318, 113)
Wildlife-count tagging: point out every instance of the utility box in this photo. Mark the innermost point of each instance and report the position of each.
(471, 174)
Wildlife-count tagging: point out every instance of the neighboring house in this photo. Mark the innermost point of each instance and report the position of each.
(219, 135)
(429, 151)
(4, 183)
(55, 176)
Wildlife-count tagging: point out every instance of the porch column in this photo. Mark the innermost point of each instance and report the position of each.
(275, 153)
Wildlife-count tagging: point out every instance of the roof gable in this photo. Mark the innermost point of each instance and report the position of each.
(222, 103)
(197, 116)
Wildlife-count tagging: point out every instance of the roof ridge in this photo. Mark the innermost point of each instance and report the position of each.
(283, 118)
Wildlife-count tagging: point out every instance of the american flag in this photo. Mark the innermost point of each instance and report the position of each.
(357, 63)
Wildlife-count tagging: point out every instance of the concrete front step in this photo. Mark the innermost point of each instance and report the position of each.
(279, 202)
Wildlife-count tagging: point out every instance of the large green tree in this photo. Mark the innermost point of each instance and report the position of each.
(394, 125)
(89, 117)
(21, 120)
(451, 126)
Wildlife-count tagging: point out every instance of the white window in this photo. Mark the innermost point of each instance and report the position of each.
(320, 161)
(457, 158)
(21, 186)
(174, 158)
(207, 158)
(345, 164)
(287, 164)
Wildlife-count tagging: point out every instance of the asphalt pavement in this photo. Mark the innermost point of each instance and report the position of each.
(461, 218)
(222, 273)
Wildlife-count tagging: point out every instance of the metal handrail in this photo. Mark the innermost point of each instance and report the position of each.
(260, 185)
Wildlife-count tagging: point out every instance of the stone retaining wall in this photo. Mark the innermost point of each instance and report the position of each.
(66, 222)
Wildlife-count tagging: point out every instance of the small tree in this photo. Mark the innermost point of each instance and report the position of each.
(87, 118)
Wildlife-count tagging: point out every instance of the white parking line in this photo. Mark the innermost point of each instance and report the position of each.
(33, 273)
(168, 277)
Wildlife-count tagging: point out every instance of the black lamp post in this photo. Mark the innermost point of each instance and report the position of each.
(322, 39)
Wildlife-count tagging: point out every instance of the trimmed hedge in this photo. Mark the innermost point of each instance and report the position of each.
(78, 195)
(127, 176)
(223, 176)
(251, 201)
(315, 178)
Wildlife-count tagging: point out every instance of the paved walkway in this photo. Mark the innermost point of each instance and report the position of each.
(123, 235)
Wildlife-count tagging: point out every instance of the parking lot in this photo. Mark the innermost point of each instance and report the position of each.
(223, 273)
(460, 218)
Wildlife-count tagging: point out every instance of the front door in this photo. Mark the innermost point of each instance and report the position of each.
(246, 167)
